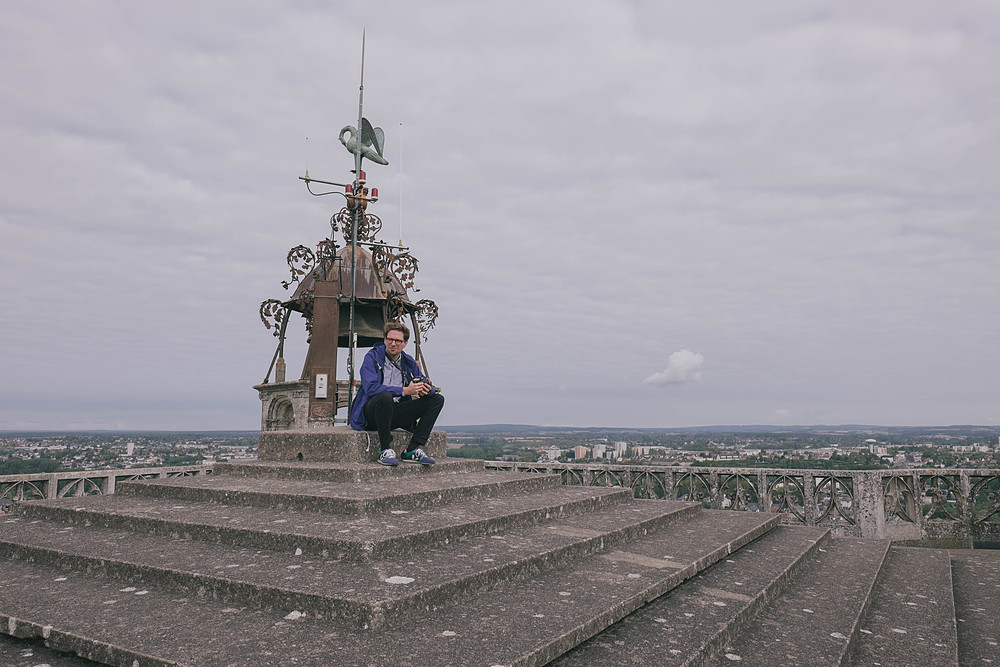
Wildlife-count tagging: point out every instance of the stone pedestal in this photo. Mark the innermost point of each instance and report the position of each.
(340, 444)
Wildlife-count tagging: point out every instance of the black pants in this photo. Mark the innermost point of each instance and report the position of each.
(382, 414)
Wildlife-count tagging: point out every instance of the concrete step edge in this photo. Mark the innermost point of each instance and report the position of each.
(337, 505)
(84, 647)
(852, 638)
(342, 472)
(326, 547)
(353, 613)
(354, 647)
(712, 647)
(558, 646)
(458, 590)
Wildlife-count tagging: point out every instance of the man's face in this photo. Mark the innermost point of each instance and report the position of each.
(394, 344)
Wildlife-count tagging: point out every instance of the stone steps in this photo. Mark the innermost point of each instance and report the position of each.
(912, 613)
(394, 493)
(839, 602)
(358, 593)
(342, 472)
(360, 537)
(976, 577)
(518, 622)
(697, 618)
(312, 563)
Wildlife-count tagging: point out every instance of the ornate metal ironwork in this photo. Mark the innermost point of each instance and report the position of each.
(306, 301)
(326, 252)
(301, 261)
(369, 225)
(271, 314)
(402, 266)
(427, 314)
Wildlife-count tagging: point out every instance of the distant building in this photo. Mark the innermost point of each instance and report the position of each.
(580, 452)
(552, 454)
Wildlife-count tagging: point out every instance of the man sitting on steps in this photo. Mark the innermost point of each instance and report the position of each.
(395, 394)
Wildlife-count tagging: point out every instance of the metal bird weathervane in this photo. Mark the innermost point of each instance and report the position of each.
(372, 141)
(364, 282)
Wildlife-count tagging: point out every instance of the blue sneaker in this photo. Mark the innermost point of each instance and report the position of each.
(417, 456)
(387, 457)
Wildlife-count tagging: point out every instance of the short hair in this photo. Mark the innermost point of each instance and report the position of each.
(397, 326)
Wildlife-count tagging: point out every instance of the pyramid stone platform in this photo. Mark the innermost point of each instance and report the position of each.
(340, 444)
(351, 563)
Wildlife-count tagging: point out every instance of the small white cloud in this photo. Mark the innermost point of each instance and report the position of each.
(780, 415)
(682, 366)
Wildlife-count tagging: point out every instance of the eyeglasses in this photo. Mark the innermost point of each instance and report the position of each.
(398, 341)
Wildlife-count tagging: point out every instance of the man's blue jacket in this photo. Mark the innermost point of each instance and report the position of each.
(371, 381)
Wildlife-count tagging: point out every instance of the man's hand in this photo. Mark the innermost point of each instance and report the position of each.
(417, 388)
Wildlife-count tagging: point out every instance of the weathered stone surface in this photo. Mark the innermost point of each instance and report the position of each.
(355, 593)
(16, 652)
(911, 619)
(339, 497)
(342, 472)
(280, 563)
(815, 619)
(976, 575)
(360, 537)
(691, 622)
(519, 622)
(340, 444)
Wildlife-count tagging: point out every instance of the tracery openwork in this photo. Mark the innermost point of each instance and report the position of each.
(785, 496)
(649, 484)
(739, 492)
(986, 499)
(834, 500)
(900, 503)
(81, 486)
(607, 478)
(22, 490)
(694, 487)
(572, 477)
(941, 497)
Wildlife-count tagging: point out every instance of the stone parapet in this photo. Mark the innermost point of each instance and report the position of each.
(948, 508)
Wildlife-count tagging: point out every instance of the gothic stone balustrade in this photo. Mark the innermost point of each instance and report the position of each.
(39, 486)
(945, 507)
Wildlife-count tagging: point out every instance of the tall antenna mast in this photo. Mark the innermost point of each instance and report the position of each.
(355, 220)
(400, 184)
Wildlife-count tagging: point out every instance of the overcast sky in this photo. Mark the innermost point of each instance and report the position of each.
(629, 213)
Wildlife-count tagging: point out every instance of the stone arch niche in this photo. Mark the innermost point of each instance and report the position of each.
(280, 414)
